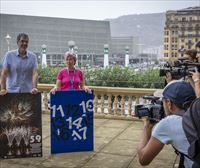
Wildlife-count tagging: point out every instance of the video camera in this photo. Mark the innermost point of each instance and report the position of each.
(154, 111)
(180, 68)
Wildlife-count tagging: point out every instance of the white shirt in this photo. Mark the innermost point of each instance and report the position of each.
(170, 131)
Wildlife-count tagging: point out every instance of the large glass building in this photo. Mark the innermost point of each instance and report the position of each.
(55, 33)
(89, 36)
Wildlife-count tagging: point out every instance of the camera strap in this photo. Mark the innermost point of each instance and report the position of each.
(180, 113)
(182, 155)
(72, 78)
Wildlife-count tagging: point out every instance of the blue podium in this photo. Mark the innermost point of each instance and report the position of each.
(71, 121)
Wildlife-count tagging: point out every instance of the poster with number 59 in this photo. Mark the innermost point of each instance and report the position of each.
(20, 125)
(71, 121)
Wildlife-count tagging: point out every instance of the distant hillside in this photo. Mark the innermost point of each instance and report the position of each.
(148, 27)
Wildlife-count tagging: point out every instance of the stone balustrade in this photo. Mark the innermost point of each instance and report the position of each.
(109, 102)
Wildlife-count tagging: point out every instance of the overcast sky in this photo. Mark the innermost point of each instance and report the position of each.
(92, 10)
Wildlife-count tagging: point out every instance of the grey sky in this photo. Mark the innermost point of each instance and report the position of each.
(94, 10)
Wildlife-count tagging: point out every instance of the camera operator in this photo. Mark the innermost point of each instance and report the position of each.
(177, 97)
(190, 56)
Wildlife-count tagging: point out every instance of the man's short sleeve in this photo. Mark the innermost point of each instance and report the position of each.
(5, 63)
(162, 131)
(35, 65)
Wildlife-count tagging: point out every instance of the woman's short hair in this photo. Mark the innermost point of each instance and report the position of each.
(70, 55)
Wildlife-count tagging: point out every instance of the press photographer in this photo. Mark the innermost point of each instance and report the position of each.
(177, 96)
(180, 68)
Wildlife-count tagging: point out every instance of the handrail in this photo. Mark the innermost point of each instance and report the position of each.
(109, 102)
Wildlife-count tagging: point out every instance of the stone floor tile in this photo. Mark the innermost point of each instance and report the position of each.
(102, 160)
(156, 163)
(137, 125)
(8, 165)
(100, 143)
(117, 123)
(121, 147)
(106, 132)
(27, 162)
(67, 160)
(131, 134)
(100, 122)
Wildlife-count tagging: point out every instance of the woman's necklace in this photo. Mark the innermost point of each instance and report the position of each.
(72, 78)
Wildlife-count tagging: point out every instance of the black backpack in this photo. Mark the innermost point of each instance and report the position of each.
(191, 127)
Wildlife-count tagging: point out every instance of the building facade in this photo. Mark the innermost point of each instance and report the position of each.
(89, 35)
(181, 31)
(119, 45)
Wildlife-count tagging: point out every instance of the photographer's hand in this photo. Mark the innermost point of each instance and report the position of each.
(149, 146)
(195, 75)
(196, 79)
(168, 77)
(147, 124)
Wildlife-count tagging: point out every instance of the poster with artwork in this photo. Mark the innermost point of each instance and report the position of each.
(71, 121)
(20, 125)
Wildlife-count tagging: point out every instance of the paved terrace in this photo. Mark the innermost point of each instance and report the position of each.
(115, 147)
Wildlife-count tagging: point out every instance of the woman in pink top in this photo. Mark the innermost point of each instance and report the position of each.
(70, 78)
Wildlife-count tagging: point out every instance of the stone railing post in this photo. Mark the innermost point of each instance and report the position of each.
(130, 100)
(95, 103)
(102, 103)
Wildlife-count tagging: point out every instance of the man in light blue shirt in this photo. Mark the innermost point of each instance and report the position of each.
(19, 72)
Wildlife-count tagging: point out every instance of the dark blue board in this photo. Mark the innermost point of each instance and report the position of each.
(71, 121)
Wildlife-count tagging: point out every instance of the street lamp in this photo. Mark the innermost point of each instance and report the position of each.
(71, 45)
(76, 52)
(127, 56)
(44, 57)
(106, 54)
(8, 38)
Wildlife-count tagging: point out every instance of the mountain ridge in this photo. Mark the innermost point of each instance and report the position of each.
(148, 27)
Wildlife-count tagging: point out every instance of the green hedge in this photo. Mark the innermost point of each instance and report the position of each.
(48, 74)
(116, 76)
